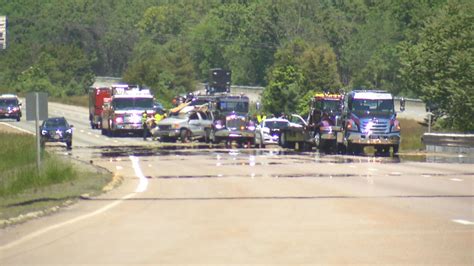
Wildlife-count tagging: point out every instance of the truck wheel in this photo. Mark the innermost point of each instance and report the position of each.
(354, 149)
(262, 144)
(283, 142)
(185, 135)
(317, 141)
(207, 135)
(395, 149)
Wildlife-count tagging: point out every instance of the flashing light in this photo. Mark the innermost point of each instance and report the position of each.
(328, 96)
(251, 128)
(118, 120)
(351, 125)
(44, 132)
(395, 125)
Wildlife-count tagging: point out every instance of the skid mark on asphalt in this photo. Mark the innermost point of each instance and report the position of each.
(143, 183)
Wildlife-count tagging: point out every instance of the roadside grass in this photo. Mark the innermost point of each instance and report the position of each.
(77, 100)
(411, 133)
(23, 189)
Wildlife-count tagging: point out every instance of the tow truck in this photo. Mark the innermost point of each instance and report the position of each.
(369, 119)
(122, 112)
(319, 129)
(232, 122)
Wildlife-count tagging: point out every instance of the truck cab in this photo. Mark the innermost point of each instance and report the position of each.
(370, 119)
(123, 111)
(232, 122)
(325, 120)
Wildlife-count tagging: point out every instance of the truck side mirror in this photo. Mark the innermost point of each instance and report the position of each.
(402, 104)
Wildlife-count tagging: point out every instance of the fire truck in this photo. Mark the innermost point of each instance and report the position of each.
(96, 102)
(319, 129)
(122, 112)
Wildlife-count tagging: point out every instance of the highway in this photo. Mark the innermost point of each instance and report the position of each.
(201, 204)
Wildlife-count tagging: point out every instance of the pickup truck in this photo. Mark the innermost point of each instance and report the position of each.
(189, 123)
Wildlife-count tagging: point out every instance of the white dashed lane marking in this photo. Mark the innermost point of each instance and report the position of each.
(464, 222)
(456, 179)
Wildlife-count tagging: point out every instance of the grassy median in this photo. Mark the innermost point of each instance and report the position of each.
(24, 189)
(411, 133)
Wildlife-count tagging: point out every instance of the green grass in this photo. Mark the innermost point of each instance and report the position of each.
(411, 133)
(23, 189)
(78, 100)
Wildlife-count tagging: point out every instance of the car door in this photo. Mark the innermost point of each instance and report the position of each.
(195, 124)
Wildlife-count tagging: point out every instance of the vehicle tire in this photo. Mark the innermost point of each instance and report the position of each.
(262, 144)
(282, 141)
(69, 145)
(354, 149)
(185, 135)
(395, 149)
(317, 141)
(212, 136)
(207, 135)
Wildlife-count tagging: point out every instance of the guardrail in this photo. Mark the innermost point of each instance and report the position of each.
(444, 142)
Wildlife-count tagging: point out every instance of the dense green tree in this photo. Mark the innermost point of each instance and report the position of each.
(167, 69)
(439, 66)
(299, 71)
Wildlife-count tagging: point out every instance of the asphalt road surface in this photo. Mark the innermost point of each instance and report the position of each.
(199, 204)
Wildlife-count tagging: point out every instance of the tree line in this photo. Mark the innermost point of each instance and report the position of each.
(294, 48)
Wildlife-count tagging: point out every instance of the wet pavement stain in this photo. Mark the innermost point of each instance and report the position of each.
(274, 154)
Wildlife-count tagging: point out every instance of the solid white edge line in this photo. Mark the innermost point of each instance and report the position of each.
(143, 181)
(17, 128)
(142, 186)
(50, 228)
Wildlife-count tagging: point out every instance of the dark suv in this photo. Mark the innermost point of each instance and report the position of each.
(10, 107)
(56, 129)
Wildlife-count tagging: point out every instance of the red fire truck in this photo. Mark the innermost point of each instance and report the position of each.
(96, 101)
(124, 109)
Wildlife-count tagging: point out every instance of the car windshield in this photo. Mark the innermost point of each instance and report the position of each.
(276, 124)
(229, 106)
(365, 106)
(8, 102)
(56, 122)
(132, 103)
